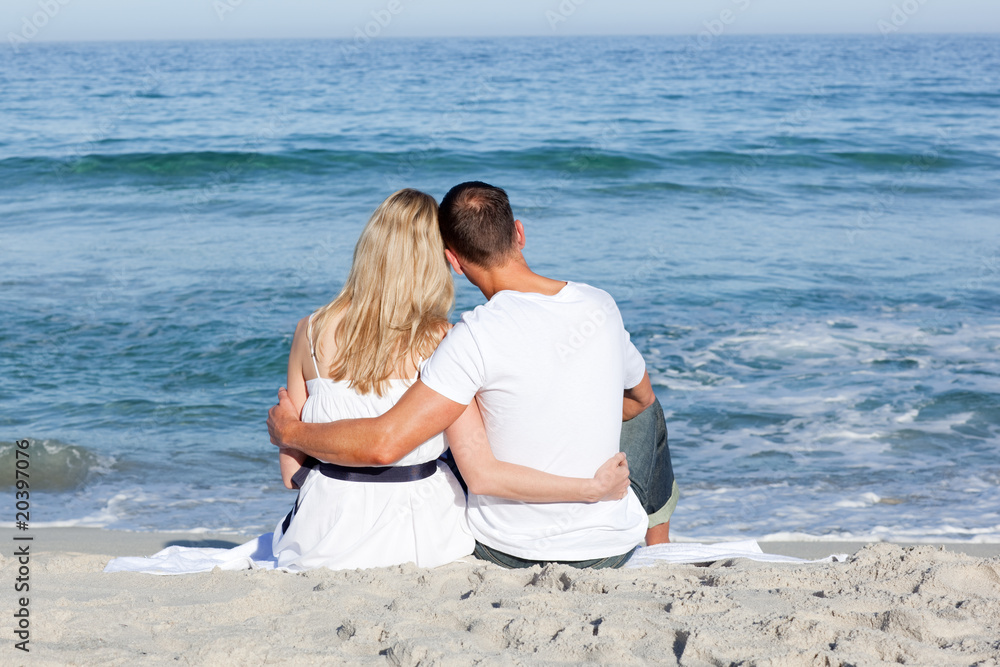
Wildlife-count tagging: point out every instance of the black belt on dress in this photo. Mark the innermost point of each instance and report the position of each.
(348, 474)
(366, 474)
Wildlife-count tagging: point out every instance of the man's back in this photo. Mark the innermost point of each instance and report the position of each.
(549, 372)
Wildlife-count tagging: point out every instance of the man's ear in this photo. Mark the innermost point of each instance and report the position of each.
(519, 234)
(454, 261)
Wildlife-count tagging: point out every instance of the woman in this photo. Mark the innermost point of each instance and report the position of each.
(355, 357)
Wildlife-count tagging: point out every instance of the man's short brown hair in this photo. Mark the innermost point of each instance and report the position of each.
(477, 223)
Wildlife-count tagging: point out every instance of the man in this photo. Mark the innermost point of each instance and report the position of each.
(555, 375)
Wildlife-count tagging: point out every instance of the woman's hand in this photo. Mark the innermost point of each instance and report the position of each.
(611, 480)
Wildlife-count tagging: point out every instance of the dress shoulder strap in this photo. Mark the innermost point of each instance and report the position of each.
(312, 349)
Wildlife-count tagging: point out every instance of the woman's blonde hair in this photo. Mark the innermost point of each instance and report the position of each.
(397, 297)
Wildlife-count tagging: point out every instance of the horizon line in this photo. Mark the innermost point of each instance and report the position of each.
(380, 38)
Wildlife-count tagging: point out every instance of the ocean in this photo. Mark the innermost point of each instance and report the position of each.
(802, 233)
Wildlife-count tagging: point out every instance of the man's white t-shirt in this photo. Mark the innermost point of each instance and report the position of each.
(549, 372)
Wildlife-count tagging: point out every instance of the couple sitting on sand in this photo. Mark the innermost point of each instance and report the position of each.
(534, 391)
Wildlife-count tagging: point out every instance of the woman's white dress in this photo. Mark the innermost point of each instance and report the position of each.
(346, 525)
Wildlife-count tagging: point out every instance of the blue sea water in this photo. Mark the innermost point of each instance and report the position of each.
(803, 235)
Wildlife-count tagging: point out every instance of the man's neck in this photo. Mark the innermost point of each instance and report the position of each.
(514, 276)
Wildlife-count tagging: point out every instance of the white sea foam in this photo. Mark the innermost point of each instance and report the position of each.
(862, 427)
(866, 499)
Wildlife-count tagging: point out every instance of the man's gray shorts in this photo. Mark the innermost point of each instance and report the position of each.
(644, 441)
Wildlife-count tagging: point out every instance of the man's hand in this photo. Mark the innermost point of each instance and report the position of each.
(281, 420)
(418, 416)
(611, 480)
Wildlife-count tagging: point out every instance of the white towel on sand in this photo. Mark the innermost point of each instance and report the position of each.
(253, 555)
(256, 555)
(681, 552)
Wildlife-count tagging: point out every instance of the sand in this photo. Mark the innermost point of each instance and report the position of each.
(888, 604)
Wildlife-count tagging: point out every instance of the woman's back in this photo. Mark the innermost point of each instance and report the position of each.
(330, 400)
(343, 524)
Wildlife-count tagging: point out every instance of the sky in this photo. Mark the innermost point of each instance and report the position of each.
(60, 20)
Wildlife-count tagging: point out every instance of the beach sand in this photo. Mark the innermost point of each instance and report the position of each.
(889, 603)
